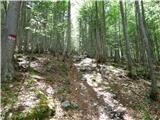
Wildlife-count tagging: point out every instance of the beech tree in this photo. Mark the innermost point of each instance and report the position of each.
(67, 42)
(124, 23)
(153, 94)
(92, 22)
(9, 40)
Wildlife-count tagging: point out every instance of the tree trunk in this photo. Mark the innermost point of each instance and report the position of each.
(120, 40)
(100, 35)
(103, 26)
(116, 57)
(153, 93)
(124, 24)
(67, 49)
(9, 41)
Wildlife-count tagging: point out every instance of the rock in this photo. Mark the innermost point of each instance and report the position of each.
(66, 104)
(69, 105)
(116, 115)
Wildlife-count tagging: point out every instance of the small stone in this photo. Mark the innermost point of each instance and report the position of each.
(66, 104)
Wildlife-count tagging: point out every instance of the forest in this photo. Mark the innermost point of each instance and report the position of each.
(80, 60)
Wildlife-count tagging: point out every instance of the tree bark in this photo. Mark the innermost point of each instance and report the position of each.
(100, 32)
(67, 49)
(116, 56)
(153, 93)
(9, 41)
(124, 24)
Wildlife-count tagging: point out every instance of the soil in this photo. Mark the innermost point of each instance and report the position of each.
(101, 91)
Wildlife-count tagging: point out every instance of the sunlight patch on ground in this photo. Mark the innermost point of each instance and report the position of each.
(108, 99)
(92, 79)
(102, 113)
(86, 63)
(27, 99)
(115, 110)
(59, 111)
(108, 69)
(22, 61)
(29, 96)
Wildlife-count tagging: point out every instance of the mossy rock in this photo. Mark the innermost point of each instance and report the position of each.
(69, 105)
(39, 112)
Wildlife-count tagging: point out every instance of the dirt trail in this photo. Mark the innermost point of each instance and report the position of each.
(84, 96)
(98, 90)
(97, 103)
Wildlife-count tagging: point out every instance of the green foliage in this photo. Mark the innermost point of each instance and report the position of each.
(113, 12)
(39, 112)
(40, 94)
(33, 71)
(64, 68)
(48, 23)
(60, 90)
(145, 112)
(139, 71)
(30, 81)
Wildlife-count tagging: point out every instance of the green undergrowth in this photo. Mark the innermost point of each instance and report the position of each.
(51, 79)
(118, 65)
(64, 67)
(9, 92)
(60, 90)
(30, 81)
(147, 107)
(40, 94)
(64, 88)
(59, 68)
(39, 112)
(56, 73)
(139, 71)
(32, 71)
(146, 115)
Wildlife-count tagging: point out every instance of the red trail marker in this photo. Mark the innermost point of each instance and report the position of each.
(12, 37)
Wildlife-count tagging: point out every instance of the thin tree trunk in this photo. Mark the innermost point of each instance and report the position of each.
(137, 38)
(67, 49)
(104, 53)
(124, 23)
(97, 34)
(116, 57)
(153, 93)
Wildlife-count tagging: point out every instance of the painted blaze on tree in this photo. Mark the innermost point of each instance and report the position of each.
(11, 37)
(9, 40)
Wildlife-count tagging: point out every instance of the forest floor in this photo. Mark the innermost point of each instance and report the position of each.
(77, 89)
